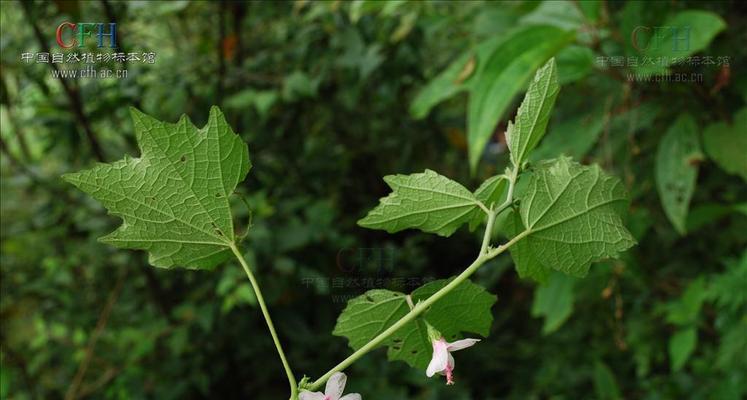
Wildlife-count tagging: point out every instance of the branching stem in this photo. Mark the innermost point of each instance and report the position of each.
(486, 253)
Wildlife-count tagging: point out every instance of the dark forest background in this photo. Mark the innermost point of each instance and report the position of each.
(324, 94)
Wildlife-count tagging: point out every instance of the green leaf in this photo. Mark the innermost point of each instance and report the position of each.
(426, 201)
(526, 263)
(574, 63)
(727, 144)
(591, 9)
(733, 346)
(464, 309)
(572, 216)
(707, 213)
(554, 301)
(298, 85)
(492, 192)
(685, 310)
(534, 113)
(454, 79)
(681, 346)
(173, 200)
(370, 314)
(604, 382)
(677, 169)
(684, 34)
(506, 72)
(561, 13)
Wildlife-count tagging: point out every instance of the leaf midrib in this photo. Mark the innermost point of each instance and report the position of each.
(536, 117)
(189, 187)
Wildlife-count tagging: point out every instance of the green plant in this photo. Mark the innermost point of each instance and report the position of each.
(559, 215)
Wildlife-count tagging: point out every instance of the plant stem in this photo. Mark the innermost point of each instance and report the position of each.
(488, 233)
(423, 306)
(270, 326)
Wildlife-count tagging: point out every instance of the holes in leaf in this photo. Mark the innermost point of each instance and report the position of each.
(183, 159)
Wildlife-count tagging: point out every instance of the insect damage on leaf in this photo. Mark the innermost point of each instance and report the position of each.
(173, 199)
(676, 174)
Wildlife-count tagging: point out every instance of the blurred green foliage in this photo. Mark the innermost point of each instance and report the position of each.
(330, 97)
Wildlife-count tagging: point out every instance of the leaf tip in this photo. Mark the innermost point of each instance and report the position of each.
(135, 113)
(70, 177)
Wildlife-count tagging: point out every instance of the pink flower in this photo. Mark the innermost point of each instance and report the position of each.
(442, 362)
(333, 391)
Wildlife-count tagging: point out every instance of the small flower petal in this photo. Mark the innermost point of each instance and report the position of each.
(351, 396)
(461, 344)
(439, 359)
(306, 395)
(335, 386)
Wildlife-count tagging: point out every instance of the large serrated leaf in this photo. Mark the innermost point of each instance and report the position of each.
(464, 309)
(426, 201)
(523, 135)
(173, 200)
(677, 169)
(571, 214)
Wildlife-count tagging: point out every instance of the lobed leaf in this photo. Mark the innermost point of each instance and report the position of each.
(426, 201)
(464, 309)
(571, 215)
(173, 199)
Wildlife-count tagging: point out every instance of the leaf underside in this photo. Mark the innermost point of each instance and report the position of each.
(426, 201)
(534, 113)
(173, 199)
(572, 213)
(464, 309)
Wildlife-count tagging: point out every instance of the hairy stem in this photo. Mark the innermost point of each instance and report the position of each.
(485, 255)
(488, 233)
(270, 326)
